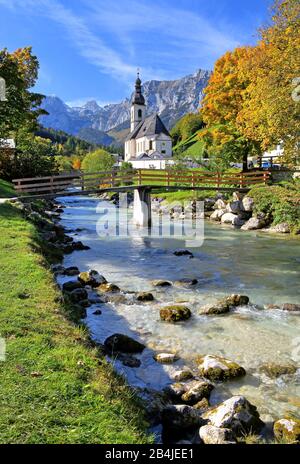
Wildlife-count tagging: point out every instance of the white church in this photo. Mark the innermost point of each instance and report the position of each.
(149, 144)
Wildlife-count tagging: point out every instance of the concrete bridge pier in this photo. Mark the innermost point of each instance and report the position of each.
(142, 207)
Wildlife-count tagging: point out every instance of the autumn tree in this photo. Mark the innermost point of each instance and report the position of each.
(271, 110)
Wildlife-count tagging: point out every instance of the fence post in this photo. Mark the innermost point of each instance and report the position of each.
(193, 179)
(82, 182)
(266, 175)
(242, 180)
(140, 176)
(52, 184)
(218, 180)
(168, 178)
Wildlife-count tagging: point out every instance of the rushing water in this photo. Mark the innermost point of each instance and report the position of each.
(263, 267)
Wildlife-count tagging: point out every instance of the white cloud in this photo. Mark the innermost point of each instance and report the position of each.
(116, 36)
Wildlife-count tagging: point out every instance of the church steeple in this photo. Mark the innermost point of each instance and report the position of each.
(138, 98)
(138, 108)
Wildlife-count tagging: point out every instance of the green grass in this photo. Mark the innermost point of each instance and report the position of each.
(55, 386)
(6, 189)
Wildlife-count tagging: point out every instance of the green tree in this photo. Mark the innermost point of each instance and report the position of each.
(99, 160)
(186, 127)
(22, 108)
(33, 157)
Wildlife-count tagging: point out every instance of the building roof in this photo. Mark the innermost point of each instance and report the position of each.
(151, 156)
(152, 125)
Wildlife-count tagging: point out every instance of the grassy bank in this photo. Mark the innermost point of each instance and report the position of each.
(55, 387)
(6, 189)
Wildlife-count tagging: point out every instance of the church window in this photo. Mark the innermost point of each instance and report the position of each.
(151, 145)
(140, 113)
(163, 152)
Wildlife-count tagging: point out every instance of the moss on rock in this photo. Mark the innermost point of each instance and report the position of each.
(216, 368)
(288, 429)
(175, 313)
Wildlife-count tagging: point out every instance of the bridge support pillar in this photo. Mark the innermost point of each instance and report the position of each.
(142, 207)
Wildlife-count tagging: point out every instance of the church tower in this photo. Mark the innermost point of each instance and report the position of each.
(138, 108)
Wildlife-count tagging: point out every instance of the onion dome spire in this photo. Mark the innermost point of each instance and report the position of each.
(138, 98)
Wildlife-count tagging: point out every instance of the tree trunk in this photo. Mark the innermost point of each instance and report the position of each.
(245, 162)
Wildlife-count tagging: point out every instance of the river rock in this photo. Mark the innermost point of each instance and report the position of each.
(220, 204)
(236, 414)
(91, 278)
(254, 223)
(282, 228)
(248, 204)
(181, 417)
(98, 312)
(186, 282)
(274, 371)
(123, 343)
(291, 307)
(175, 313)
(288, 429)
(211, 435)
(238, 222)
(183, 253)
(228, 218)
(221, 307)
(166, 358)
(108, 288)
(129, 361)
(70, 286)
(57, 269)
(234, 207)
(80, 294)
(71, 271)
(202, 405)
(200, 389)
(183, 374)
(145, 296)
(237, 300)
(161, 283)
(216, 368)
(79, 246)
(217, 215)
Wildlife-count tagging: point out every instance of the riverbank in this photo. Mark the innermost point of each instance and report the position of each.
(56, 386)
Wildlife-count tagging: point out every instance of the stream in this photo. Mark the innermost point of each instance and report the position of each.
(264, 267)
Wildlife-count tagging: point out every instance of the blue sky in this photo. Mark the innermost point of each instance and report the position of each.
(90, 49)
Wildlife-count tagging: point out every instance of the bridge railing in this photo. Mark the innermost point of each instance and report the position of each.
(116, 179)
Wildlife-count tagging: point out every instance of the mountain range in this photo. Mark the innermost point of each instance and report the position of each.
(110, 124)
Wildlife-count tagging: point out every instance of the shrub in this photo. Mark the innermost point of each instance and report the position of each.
(279, 203)
(99, 160)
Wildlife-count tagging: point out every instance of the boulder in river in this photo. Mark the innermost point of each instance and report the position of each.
(80, 294)
(248, 204)
(237, 300)
(217, 215)
(221, 307)
(79, 246)
(161, 283)
(199, 390)
(123, 343)
(236, 414)
(216, 368)
(145, 296)
(220, 204)
(274, 370)
(70, 286)
(186, 282)
(183, 253)
(71, 271)
(292, 307)
(288, 430)
(183, 374)
(181, 417)
(254, 223)
(282, 228)
(108, 288)
(166, 358)
(211, 435)
(175, 313)
(228, 218)
(235, 207)
(91, 278)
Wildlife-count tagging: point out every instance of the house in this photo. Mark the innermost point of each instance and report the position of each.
(149, 144)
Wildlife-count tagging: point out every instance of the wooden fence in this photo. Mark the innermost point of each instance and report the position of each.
(117, 179)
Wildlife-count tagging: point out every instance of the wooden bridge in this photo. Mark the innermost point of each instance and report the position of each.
(141, 181)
